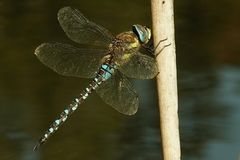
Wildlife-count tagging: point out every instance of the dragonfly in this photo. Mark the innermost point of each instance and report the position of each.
(109, 60)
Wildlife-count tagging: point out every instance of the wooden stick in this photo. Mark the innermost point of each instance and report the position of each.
(163, 27)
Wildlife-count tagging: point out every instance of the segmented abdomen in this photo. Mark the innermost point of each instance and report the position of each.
(103, 74)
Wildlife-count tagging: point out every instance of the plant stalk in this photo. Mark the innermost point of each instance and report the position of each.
(163, 28)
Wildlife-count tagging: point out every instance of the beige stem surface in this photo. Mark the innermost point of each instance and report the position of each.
(163, 27)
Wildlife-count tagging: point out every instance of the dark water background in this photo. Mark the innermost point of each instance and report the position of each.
(31, 95)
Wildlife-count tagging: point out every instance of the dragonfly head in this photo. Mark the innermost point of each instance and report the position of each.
(142, 32)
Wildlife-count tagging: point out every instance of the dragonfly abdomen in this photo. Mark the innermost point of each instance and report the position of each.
(103, 74)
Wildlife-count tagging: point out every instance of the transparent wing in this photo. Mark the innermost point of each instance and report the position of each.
(70, 61)
(139, 66)
(81, 30)
(119, 93)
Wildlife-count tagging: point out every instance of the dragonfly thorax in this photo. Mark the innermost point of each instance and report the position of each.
(127, 40)
(124, 46)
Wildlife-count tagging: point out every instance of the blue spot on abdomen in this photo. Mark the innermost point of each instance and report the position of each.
(107, 71)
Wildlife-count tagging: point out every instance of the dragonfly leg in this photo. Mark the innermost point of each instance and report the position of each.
(151, 49)
(162, 49)
(160, 43)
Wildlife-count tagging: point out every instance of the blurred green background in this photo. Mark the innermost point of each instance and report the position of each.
(32, 96)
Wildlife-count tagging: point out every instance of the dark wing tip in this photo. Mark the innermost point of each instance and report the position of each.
(135, 108)
(40, 48)
(131, 108)
(62, 12)
(133, 112)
